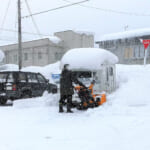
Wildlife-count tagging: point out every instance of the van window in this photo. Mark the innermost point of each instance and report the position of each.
(3, 77)
(32, 78)
(107, 74)
(111, 71)
(10, 78)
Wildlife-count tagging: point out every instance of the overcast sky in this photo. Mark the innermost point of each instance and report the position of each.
(103, 20)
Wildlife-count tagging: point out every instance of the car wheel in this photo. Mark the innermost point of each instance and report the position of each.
(26, 94)
(54, 91)
(3, 101)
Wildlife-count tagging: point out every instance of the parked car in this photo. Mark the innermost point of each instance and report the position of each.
(18, 84)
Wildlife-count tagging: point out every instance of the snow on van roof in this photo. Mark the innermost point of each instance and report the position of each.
(88, 58)
(125, 34)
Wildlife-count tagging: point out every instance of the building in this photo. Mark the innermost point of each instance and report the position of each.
(127, 45)
(47, 50)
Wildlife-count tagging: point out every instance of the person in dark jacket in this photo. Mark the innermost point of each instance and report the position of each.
(66, 88)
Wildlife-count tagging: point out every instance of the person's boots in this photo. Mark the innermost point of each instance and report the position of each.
(69, 109)
(61, 108)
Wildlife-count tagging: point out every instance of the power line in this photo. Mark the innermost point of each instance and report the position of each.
(2, 39)
(10, 30)
(6, 12)
(64, 6)
(34, 23)
(113, 11)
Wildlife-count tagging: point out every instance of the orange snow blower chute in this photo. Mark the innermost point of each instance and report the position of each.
(93, 99)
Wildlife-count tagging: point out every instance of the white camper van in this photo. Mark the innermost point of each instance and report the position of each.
(90, 64)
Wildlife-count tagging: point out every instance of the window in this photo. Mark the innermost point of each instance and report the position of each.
(128, 52)
(32, 78)
(15, 58)
(22, 77)
(39, 55)
(3, 77)
(136, 52)
(111, 71)
(107, 75)
(58, 56)
(10, 78)
(40, 78)
(148, 52)
(139, 52)
(25, 56)
(142, 51)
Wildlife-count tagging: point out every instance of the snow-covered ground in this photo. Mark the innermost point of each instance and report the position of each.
(122, 123)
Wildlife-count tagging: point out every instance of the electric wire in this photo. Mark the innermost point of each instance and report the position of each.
(64, 6)
(5, 15)
(112, 10)
(10, 30)
(33, 20)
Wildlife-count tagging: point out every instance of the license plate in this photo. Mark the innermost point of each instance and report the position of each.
(8, 88)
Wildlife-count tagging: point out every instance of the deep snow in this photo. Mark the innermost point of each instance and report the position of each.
(123, 122)
(88, 58)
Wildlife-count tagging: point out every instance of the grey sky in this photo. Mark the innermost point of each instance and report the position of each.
(75, 17)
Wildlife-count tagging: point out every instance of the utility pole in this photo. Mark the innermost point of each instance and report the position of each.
(19, 36)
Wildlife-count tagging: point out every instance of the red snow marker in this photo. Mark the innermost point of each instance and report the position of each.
(146, 43)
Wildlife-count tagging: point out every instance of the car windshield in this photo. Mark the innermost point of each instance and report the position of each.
(3, 77)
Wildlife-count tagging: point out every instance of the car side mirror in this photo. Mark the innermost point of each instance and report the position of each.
(47, 80)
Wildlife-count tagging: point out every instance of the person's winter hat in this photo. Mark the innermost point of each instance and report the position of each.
(66, 66)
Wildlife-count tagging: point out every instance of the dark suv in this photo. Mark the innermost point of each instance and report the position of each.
(17, 84)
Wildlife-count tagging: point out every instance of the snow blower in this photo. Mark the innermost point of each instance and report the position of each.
(87, 98)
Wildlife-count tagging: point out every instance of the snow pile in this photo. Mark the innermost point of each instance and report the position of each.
(9, 67)
(88, 58)
(2, 55)
(126, 34)
(122, 123)
(47, 100)
(47, 70)
(133, 85)
(55, 39)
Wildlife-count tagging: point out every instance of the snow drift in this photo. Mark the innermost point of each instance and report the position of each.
(122, 123)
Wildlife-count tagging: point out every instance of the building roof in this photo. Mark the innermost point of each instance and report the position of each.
(125, 34)
(51, 39)
(28, 44)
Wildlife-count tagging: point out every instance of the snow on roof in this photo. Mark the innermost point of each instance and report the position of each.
(53, 39)
(83, 32)
(88, 58)
(126, 34)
